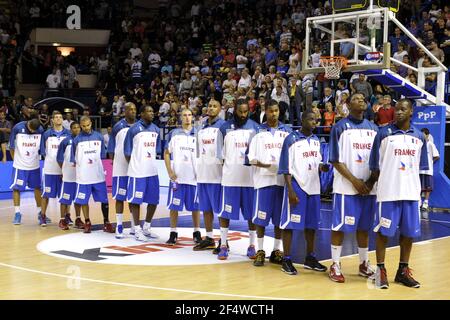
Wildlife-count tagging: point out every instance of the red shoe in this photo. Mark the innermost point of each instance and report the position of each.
(366, 270)
(79, 224)
(107, 227)
(87, 227)
(336, 274)
(63, 225)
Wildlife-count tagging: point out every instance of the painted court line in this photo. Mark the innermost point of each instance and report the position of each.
(143, 286)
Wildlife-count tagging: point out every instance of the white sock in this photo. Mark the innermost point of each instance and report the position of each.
(223, 236)
(336, 253)
(137, 228)
(132, 223)
(17, 209)
(276, 244)
(252, 237)
(363, 254)
(196, 229)
(261, 243)
(425, 201)
(147, 225)
(119, 219)
(209, 234)
(39, 209)
(173, 229)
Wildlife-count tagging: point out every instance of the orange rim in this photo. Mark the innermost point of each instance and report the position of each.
(327, 60)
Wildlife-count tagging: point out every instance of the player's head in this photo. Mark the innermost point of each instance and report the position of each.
(309, 120)
(357, 103)
(75, 128)
(241, 111)
(403, 110)
(130, 111)
(214, 108)
(272, 110)
(33, 125)
(57, 118)
(147, 113)
(86, 124)
(186, 117)
(426, 132)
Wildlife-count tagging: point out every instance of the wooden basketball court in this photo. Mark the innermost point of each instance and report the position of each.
(27, 273)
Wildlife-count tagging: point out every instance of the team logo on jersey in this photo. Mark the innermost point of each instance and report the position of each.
(273, 158)
(90, 161)
(360, 159)
(185, 158)
(203, 151)
(100, 247)
(309, 167)
(402, 166)
(27, 153)
(149, 155)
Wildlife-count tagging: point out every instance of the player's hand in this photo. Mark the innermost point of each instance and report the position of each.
(173, 176)
(4, 160)
(360, 186)
(293, 199)
(324, 167)
(273, 168)
(369, 185)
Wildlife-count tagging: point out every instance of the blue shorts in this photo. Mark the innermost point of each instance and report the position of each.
(236, 200)
(68, 190)
(143, 190)
(426, 182)
(305, 214)
(51, 186)
(267, 205)
(98, 191)
(26, 178)
(184, 197)
(119, 188)
(209, 197)
(403, 214)
(353, 212)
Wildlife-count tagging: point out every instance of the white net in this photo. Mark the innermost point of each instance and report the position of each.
(333, 66)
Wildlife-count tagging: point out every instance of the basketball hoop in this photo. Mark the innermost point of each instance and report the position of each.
(333, 66)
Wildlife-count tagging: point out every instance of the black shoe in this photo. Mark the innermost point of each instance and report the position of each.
(404, 276)
(206, 244)
(288, 267)
(276, 257)
(197, 237)
(173, 238)
(217, 249)
(311, 263)
(260, 258)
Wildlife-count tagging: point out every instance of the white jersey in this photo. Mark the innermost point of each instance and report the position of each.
(432, 152)
(233, 151)
(351, 141)
(399, 155)
(183, 149)
(88, 150)
(69, 173)
(301, 158)
(265, 147)
(26, 146)
(50, 142)
(209, 166)
(115, 146)
(142, 143)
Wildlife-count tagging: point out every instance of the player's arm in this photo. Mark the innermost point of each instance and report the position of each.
(112, 143)
(60, 153)
(293, 199)
(374, 161)
(128, 145)
(12, 141)
(167, 152)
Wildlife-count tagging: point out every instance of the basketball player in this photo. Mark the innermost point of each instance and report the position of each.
(399, 152)
(209, 172)
(180, 161)
(52, 178)
(264, 153)
(120, 164)
(24, 144)
(88, 150)
(142, 143)
(69, 185)
(300, 163)
(237, 178)
(426, 176)
(353, 204)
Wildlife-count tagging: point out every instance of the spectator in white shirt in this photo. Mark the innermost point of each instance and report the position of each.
(245, 80)
(135, 51)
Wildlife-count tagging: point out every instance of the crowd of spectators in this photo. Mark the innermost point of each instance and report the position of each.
(195, 51)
